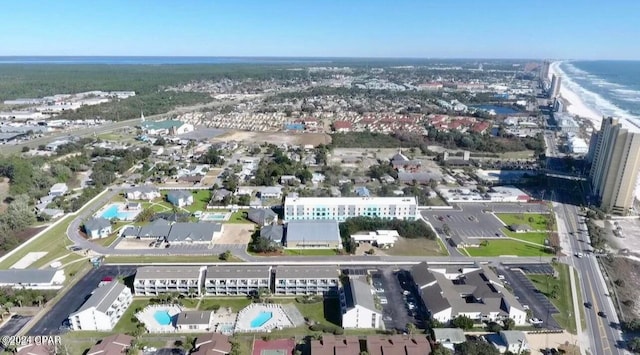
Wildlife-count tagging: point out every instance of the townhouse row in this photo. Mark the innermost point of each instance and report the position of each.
(237, 280)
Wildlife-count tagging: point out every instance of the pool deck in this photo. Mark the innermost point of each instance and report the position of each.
(249, 314)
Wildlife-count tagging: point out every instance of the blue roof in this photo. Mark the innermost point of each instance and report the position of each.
(294, 126)
(362, 191)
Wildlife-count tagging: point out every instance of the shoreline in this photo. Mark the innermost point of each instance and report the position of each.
(575, 105)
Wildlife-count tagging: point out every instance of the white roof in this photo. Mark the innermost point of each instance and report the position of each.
(358, 201)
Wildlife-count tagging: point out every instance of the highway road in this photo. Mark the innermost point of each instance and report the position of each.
(604, 334)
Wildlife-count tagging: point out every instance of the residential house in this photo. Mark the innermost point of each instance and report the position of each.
(198, 233)
(358, 306)
(35, 349)
(212, 344)
(158, 229)
(398, 344)
(271, 192)
(472, 291)
(262, 216)
(219, 195)
(155, 280)
(274, 347)
(514, 341)
(35, 279)
(58, 189)
(144, 192)
(449, 337)
(103, 309)
(289, 180)
(313, 234)
(194, 321)
(306, 280)
(362, 191)
(401, 162)
(332, 345)
(273, 233)
(116, 344)
(52, 213)
(236, 280)
(342, 126)
(97, 228)
(180, 198)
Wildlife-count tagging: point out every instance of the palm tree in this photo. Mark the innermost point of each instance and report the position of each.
(191, 292)
(39, 300)
(19, 299)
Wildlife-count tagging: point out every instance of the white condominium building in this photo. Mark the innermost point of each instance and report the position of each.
(306, 280)
(103, 309)
(237, 280)
(155, 280)
(341, 208)
(615, 161)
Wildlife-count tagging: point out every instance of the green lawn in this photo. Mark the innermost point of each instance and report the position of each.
(106, 241)
(201, 199)
(125, 324)
(158, 206)
(533, 237)
(235, 303)
(537, 221)
(563, 301)
(54, 242)
(311, 252)
(507, 247)
(239, 217)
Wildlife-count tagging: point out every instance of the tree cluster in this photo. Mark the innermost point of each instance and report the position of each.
(211, 157)
(259, 244)
(270, 170)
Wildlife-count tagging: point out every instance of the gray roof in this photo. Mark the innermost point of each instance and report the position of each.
(449, 335)
(313, 230)
(51, 211)
(399, 157)
(258, 215)
(95, 224)
(238, 271)
(421, 275)
(103, 297)
(197, 232)
(193, 317)
(130, 231)
(513, 336)
(480, 283)
(157, 228)
(143, 189)
(168, 272)
(178, 194)
(359, 293)
(27, 276)
(306, 272)
(272, 232)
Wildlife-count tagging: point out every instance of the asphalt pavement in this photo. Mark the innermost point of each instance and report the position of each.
(74, 298)
(13, 326)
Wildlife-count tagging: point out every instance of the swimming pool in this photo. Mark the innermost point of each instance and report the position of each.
(261, 319)
(162, 317)
(214, 216)
(115, 211)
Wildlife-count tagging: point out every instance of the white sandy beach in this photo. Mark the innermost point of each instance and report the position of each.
(575, 105)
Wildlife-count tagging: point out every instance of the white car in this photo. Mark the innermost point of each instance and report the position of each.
(535, 321)
(579, 255)
(383, 301)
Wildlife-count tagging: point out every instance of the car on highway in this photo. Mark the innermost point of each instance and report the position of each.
(602, 314)
(383, 300)
(579, 255)
(588, 305)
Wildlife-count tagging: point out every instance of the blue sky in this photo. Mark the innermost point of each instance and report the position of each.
(577, 29)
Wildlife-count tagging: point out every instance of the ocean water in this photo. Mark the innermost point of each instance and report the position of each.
(611, 88)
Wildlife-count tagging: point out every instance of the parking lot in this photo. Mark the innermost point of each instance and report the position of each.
(527, 294)
(533, 269)
(470, 222)
(75, 297)
(13, 326)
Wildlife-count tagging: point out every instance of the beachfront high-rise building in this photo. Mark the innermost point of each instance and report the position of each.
(615, 161)
(554, 89)
(544, 70)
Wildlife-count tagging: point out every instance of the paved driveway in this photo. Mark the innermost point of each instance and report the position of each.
(75, 297)
(527, 293)
(13, 326)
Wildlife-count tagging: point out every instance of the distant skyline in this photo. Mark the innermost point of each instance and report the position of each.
(572, 29)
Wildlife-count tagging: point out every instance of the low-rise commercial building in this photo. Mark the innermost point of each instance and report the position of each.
(380, 238)
(313, 234)
(237, 280)
(103, 309)
(155, 280)
(306, 280)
